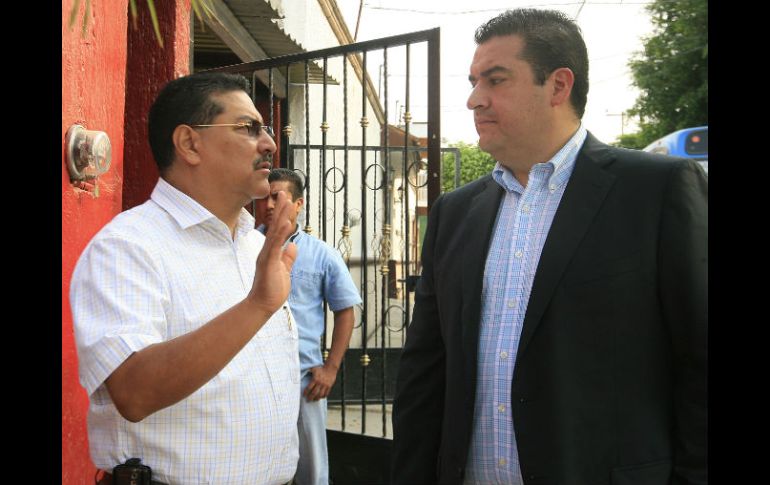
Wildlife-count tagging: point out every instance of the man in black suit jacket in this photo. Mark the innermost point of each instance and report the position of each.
(608, 382)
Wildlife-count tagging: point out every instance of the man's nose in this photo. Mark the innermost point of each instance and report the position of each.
(476, 99)
(266, 145)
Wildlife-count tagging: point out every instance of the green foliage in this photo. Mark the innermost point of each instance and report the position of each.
(672, 72)
(199, 6)
(474, 163)
(631, 140)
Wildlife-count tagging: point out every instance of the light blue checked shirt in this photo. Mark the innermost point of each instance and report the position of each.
(161, 270)
(523, 221)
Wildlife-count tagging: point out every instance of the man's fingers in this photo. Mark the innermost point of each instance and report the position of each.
(319, 392)
(309, 390)
(289, 255)
(281, 227)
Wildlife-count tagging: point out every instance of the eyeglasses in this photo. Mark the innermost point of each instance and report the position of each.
(253, 127)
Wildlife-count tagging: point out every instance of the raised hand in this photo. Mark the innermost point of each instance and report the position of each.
(272, 279)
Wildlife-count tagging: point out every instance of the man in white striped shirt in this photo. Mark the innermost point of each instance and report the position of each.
(186, 346)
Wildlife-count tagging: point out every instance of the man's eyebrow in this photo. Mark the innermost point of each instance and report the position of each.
(492, 70)
(248, 118)
(495, 70)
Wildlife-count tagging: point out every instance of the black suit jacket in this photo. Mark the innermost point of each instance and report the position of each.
(609, 385)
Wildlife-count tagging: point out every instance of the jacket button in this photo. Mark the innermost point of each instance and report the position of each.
(522, 400)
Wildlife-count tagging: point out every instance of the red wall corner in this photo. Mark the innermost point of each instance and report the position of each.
(150, 67)
(93, 70)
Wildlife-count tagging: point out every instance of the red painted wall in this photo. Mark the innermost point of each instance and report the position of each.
(93, 80)
(94, 94)
(149, 68)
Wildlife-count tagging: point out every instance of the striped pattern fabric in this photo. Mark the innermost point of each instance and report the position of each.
(158, 271)
(523, 220)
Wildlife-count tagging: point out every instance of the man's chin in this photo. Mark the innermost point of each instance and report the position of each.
(485, 145)
(262, 189)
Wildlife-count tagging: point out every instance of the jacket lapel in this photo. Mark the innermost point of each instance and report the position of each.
(477, 234)
(586, 190)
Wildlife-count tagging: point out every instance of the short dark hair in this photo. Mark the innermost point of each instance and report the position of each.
(286, 175)
(551, 41)
(187, 101)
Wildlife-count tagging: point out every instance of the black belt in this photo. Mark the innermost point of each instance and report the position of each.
(107, 479)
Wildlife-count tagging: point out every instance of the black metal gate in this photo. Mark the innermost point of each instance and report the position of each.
(368, 189)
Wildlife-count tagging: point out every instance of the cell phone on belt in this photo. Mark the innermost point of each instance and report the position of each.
(132, 472)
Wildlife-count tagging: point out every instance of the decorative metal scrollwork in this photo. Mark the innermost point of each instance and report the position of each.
(344, 246)
(385, 249)
(401, 326)
(366, 176)
(331, 213)
(357, 310)
(409, 174)
(334, 188)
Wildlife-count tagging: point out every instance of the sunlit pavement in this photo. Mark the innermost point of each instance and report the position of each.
(353, 419)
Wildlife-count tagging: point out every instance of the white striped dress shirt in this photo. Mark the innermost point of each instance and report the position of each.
(158, 271)
(523, 221)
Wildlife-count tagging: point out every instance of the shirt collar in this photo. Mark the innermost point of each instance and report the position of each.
(560, 164)
(296, 234)
(263, 229)
(187, 212)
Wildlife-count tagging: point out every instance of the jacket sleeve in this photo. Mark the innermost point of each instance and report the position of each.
(418, 405)
(683, 273)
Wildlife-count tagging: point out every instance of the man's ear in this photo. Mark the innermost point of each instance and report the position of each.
(301, 202)
(563, 78)
(187, 144)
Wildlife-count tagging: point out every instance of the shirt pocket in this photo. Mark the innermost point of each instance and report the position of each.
(305, 286)
(281, 325)
(282, 362)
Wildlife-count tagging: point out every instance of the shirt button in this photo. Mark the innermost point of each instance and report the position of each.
(501, 408)
(552, 187)
(501, 461)
(503, 355)
(518, 254)
(525, 209)
(512, 303)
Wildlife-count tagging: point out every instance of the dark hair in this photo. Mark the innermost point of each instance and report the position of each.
(551, 40)
(187, 101)
(286, 175)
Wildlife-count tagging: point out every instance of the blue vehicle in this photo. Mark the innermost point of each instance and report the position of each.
(688, 143)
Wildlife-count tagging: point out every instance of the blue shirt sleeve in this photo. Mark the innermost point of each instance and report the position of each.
(339, 290)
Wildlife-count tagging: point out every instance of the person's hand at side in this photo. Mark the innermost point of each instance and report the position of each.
(324, 377)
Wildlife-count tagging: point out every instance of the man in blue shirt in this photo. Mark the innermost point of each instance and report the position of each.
(319, 274)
